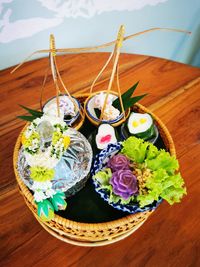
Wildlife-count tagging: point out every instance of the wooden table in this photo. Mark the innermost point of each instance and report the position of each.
(170, 237)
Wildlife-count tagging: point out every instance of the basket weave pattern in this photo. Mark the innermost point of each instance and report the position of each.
(91, 234)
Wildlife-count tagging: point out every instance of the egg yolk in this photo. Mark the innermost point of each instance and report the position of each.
(135, 124)
(143, 120)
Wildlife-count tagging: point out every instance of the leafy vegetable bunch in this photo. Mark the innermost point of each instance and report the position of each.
(149, 174)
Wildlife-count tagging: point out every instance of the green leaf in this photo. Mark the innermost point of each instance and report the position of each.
(33, 112)
(125, 96)
(127, 103)
(114, 198)
(177, 180)
(97, 112)
(135, 149)
(150, 133)
(163, 161)
(145, 200)
(172, 194)
(61, 194)
(26, 118)
(106, 187)
(162, 184)
(45, 210)
(127, 201)
(152, 151)
(58, 201)
(127, 100)
(103, 177)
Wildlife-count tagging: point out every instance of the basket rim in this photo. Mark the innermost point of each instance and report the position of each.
(80, 225)
(96, 121)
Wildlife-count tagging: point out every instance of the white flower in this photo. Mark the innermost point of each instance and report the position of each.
(28, 134)
(110, 113)
(100, 99)
(42, 159)
(41, 185)
(39, 196)
(50, 192)
(37, 121)
(54, 119)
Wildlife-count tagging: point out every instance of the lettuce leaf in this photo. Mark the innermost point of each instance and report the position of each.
(145, 200)
(103, 177)
(162, 184)
(114, 198)
(135, 149)
(152, 152)
(172, 194)
(163, 161)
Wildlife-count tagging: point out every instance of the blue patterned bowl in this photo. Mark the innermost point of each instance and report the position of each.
(89, 105)
(100, 162)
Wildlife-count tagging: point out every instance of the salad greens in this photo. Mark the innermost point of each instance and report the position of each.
(135, 149)
(163, 181)
(163, 160)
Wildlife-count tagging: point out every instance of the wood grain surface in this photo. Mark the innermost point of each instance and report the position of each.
(171, 236)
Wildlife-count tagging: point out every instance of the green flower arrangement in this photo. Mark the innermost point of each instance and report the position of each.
(41, 174)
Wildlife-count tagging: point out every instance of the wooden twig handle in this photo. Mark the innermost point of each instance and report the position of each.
(53, 70)
(93, 48)
(118, 45)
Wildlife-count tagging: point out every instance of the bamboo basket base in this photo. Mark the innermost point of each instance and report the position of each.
(105, 242)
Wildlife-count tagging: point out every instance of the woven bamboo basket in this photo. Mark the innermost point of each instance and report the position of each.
(91, 234)
(97, 122)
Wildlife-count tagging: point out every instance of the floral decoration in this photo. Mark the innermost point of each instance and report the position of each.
(124, 183)
(44, 142)
(118, 162)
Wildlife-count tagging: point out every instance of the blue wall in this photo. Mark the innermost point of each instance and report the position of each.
(25, 26)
